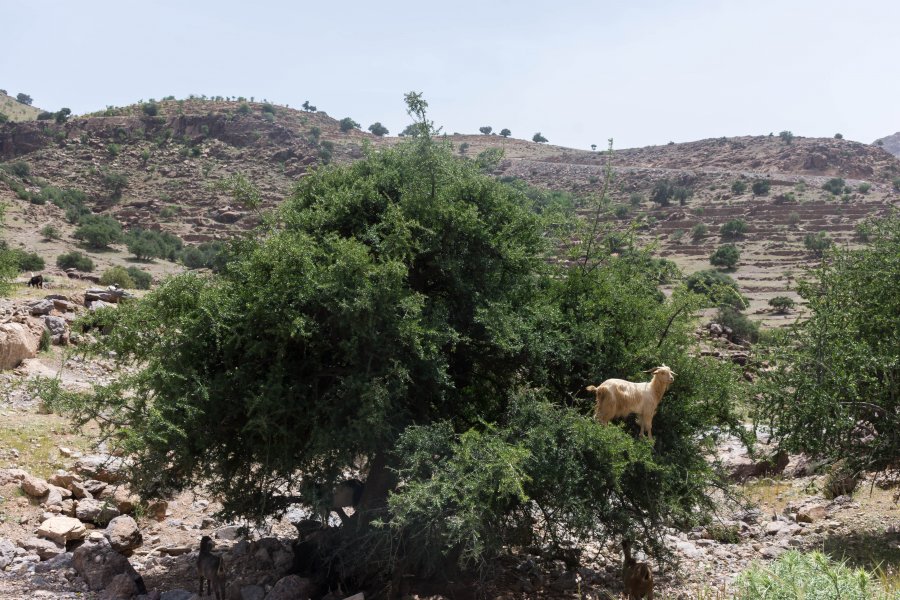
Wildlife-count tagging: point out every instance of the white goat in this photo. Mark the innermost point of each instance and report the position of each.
(620, 398)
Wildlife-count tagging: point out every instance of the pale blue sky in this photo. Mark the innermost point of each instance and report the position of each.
(642, 72)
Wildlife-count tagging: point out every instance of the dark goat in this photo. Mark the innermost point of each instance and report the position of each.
(211, 568)
(636, 577)
(36, 281)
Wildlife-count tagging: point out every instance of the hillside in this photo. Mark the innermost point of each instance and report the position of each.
(15, 110)
(891, 143)
(169, 161)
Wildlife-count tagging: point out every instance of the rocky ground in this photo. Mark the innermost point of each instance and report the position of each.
(70, 528)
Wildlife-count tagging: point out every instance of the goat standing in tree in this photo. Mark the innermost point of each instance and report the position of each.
(620, 398)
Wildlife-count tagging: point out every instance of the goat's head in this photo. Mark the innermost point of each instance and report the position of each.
(665, 374)
(206, 544)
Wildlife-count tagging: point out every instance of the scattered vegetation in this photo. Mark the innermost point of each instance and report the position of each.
(725, 256)
(733, 229)
(782, 304)
(817, 243)
(665, 191)
(740, 324)
(539, 138)
(505, 132)
(864, 188)
(786, 136)
(739, 186)
(146, 244)
(718, 288)
(486, 130)
(75, 260)
(130, 278)
(378, 129)
(761, 187)
(699, 231)
(208, 255)
(98, 231)
(50, 232)
(835, 185)
(347, 124)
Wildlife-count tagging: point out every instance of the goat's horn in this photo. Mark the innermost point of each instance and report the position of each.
(653, 370)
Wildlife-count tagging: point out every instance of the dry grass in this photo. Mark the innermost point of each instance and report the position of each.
(16, 111)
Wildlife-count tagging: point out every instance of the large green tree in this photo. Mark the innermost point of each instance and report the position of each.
(834, 390)
(398, 318)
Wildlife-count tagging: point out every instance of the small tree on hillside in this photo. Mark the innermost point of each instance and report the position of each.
(817, 243)
(761, 187)
(24, 98)
(347, 124)
(486, 130)
(786, 136)
(539, 138)
(782, 304)
(98, 231)
(378, 129)
(734, 228)
(726, 256)
(739, 186)
(62, 115)
(505, 132)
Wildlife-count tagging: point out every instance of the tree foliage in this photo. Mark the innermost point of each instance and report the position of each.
(401, 311)
(540, 139)
(149, 243)
(98, 231)
(833, 391)
(505, 132)
(378, 129)
(726, 256)
(24, 98)
(486, 130)
(734, 228)
(347, 124)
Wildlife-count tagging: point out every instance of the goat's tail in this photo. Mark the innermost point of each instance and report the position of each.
(591, 388)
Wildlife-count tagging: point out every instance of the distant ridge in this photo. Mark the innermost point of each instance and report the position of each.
(891, 143)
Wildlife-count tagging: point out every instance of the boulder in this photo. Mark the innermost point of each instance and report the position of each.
(62, 529)
(7, 553)
(35, 486)
(252, 592)
(123, 534)
(98, 564)
(124, 500)
(120, 587)
(41, 307)
(765, 467)
(17, 342)
(59, 331)
(811, 513)
(177, 595)
(63, 478)
(100, 512)
(43, 548)
(292, 587)
(110, 294)
(102, 467)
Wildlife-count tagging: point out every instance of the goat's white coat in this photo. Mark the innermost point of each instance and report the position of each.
(620, 398)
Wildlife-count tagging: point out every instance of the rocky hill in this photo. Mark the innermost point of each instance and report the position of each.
(891, 143)
(15, 110)
(163, 160)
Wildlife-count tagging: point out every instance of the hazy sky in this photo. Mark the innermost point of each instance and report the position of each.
(641, 72)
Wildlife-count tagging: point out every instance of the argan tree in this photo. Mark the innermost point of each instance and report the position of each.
(378, 129)
(833, 391)
(486, 130)
(397, 318)
(539, 138)
(726, 256)
(505, 132)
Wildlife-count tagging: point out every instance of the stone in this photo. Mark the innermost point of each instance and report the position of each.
(176, 595)
(63, 478)
(79, 490)
(34, 486)
(17, 342)
(689, 549)
(46, 549)
(811, 513)
(124, 500)
(123, 534)
(120, 587)
(95, 488)
(252, 592)
(229, 532)
(62, 529)
(102, 467)
(60, 561)
(773, 527)
(765, 467)
(292, 587)
(98, 564)
(59, 331)
(7, 553)
(41, 307)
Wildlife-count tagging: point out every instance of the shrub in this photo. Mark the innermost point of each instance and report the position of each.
(114, 182)
(46, 340)
(539, 138)
(209, 255)
(269, 109)
(463, 148)
(662, 192)
(739, 187)
(786, 136)
(151, 109)
(734, 228)
(739, 323)
(98, 231)
(44, 115)
(347, 124)
(243, 108)
(378, 129)
(817, 243)
(167, 212)
(717, 287)
(835, 185)
(410, 130)
(488, 160)
(726, 256)
(896, 183)
(75, 260)
(113, 150)
(794, 219)
(148, 243)
(788, 198)
(22, 169)
(142, 279)
(761, 187)
(699, 231)
(798, 576)
(50, 232)
(864, 188)
(315, 133)
(486, 130)
(117, 276)
(781, 304)
(326, 151)
(724, 534)
(621, 211)
(838, 136)
(27, 261)
(62, 115)
(863, 231)
(635, 199)
(505, 132)
(4, 118)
